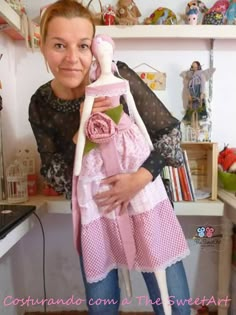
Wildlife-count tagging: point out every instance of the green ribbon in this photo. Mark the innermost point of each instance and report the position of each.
(115, 114)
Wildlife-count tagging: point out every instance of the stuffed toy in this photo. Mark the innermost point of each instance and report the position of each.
(216, 14)
(227, 160)
(108, 144)
(127, 13)
(194, 12)
(161, 16)
(231, 13)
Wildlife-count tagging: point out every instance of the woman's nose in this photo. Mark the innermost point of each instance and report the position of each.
(72, 55)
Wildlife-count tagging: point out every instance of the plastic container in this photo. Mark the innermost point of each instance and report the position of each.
(227, 181)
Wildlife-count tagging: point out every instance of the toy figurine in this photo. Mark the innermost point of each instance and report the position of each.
(195, 79)
(231, 13)
(127, 12)
(144, 235)
(109, 15)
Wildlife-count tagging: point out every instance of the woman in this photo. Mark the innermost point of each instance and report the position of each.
(67, 31)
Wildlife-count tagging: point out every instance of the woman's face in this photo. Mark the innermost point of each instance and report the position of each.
(67, 50)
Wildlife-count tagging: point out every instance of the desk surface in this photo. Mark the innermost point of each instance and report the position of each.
(229, 199)
(59, 205)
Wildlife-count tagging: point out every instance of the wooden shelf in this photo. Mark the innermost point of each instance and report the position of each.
(169, 31)
(10, 17)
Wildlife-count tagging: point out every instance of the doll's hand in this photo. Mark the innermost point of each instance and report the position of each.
(124, 188)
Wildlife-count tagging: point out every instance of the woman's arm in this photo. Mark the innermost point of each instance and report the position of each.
(162, 127)
(56, 164)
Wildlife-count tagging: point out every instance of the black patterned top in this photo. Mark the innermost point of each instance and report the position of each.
(55, 121)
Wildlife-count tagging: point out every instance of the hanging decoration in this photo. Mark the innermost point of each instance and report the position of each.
(155, 79)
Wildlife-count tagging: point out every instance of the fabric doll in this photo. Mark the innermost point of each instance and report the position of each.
(145, 236)
(195, 80)
(127, 12)
(231, 13)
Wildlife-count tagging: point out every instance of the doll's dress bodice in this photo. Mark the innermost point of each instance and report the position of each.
(158, 236)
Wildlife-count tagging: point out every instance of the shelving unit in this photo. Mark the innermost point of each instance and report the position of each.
(9, 17)
(169, 31)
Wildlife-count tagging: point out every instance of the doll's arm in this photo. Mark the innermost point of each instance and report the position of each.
(138, 120)
(87, 109)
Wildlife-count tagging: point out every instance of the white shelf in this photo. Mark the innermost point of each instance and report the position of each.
(10, 16)
(59, 205)
(169, 31)
(203, 207)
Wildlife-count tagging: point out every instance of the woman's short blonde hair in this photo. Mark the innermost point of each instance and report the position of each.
(63, 8)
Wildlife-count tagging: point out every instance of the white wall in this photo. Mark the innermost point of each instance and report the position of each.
(22, 72)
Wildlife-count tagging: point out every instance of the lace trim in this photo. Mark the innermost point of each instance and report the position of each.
(106, 92)
(150, 270)
(58, 104)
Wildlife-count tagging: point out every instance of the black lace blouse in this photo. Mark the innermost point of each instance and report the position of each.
(55, 121)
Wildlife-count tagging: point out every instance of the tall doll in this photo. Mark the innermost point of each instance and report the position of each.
(144, 236)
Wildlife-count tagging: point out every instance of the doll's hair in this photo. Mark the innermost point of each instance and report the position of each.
(199, 67)
(63, 8)
(95, 69)
(98, 39)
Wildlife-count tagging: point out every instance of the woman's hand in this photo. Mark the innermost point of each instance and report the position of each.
(124, 188)
(101, 104)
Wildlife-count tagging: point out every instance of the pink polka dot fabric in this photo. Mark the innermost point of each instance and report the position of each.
(158, 238)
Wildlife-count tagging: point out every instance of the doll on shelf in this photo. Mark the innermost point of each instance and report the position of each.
(145, 235)
(196, 85)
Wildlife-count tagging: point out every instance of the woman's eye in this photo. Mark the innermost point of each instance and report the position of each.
(59, 46)
(84, 46)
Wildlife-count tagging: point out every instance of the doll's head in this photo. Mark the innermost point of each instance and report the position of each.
(103, 49)
(195, 66)
(102, 45)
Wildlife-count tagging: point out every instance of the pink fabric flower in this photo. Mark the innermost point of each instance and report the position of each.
(100, 128)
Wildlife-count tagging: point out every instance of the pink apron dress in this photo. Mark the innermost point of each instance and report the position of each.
(147, 236)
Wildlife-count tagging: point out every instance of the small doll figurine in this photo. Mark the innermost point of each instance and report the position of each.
(109, 15)
(145, 235)
(192, 16)
(196, 81)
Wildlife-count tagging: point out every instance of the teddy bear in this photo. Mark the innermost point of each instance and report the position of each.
(127, 12)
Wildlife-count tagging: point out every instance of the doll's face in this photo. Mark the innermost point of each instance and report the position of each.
(103, 48)
(194, 66)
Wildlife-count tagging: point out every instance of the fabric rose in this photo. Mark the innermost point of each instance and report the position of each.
(100, 128)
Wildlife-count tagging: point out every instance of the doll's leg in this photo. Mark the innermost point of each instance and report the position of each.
(177, 287)
(161, 280)
(125, 276)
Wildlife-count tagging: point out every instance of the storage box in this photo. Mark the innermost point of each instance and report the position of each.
(203, 162)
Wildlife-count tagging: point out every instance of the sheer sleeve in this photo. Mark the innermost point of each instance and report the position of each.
(56, 167)
(163, 128)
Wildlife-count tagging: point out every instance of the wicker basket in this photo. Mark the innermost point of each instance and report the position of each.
(97, 17)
